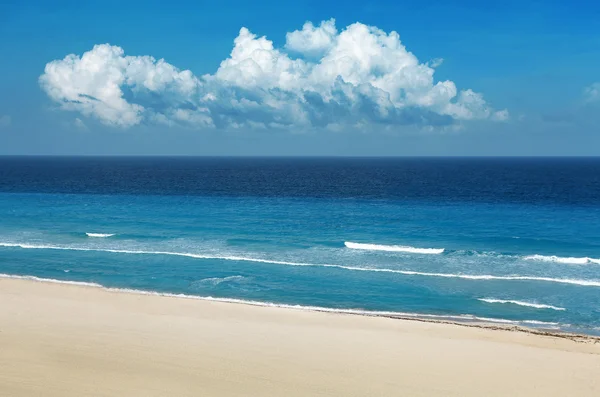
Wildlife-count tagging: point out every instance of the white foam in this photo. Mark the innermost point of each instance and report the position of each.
(458, 318)
(100, 235)
(521, 303)
(545, 323)
(139, 252)
(172, 253)
(587, 283)
(51, 280)
(393, 248)
(559, 259)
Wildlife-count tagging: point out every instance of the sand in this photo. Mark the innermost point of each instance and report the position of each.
(66, 340)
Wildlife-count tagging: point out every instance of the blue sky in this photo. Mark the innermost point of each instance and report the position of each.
(516, 79)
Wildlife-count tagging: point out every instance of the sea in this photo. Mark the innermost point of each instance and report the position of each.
(513, 241)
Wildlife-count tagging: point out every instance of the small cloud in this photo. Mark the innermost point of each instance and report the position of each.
(5, 121)
(436, 62)
(592, 93)
(501, 115)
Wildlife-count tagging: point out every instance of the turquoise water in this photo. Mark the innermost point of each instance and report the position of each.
(533, 262)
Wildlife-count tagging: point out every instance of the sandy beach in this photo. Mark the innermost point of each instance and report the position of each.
(68, 340)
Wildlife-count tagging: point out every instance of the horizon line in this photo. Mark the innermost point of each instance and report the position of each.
(297, 156)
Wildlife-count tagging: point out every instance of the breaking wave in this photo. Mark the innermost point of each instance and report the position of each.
(521, 303)
(491, 254)
(587, 283)
(393, 248)
(559, 259)
(99, 234)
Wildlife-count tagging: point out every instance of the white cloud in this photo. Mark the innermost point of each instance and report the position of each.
(436, 63)
(311, 40)
(501, 115)
(5, 121)
(359, 76)
(592, 93)
(93, 85)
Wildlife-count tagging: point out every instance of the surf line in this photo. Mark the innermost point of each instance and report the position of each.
(587, 283)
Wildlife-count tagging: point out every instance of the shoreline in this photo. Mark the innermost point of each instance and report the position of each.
(70, 340)
(465, 320)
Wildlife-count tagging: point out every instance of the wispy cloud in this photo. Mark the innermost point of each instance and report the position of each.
(80, 125)
(359, 76)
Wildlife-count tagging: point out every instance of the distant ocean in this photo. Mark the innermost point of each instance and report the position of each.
(507, 240)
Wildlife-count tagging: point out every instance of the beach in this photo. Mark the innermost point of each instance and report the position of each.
(71, 340)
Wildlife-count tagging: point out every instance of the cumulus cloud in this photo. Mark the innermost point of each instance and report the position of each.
(592, 93)
(360, 76)
(311, 40)
(5, 121)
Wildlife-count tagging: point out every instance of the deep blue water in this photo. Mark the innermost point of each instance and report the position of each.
(505, 239)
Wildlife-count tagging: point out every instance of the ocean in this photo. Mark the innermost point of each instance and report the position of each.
(506, 240)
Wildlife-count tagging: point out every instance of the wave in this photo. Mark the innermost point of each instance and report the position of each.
(372, 313)
(392, 248)
(348, 244)
(414, 250)
(170, 253)
(558, 259)
(586, 283)
(51, 280)
(521, 303)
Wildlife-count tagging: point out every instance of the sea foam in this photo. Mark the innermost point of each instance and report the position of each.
(101, 235)
(559, 259)
(393, 248)
(51, 280)
(585, 283)
(521, 303)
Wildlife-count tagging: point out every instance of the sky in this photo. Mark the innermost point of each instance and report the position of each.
(301, 78)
